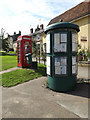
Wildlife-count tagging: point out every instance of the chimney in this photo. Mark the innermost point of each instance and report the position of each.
(41, 27)
(19, 32)
(31, 30)
(14, 33)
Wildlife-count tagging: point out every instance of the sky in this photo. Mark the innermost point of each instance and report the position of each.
(21, 15)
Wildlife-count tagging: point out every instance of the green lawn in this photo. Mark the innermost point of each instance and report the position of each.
(18, 76)
(22, 75)
(8, 62)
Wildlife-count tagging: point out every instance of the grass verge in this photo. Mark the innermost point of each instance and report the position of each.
(8, 62)
(22, 75)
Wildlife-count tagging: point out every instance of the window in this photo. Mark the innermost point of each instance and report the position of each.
(27, 47)
(18, 52)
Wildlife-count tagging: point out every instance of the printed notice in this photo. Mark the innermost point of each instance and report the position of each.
(63, 47)
(73, 60)
(56, 42)
(74, 69)
(63, 69)
(74, 47)
(56, 38)
(63, 37)
(48, 65)
(57, 70)
(57, 48)
(57, 59)
(63, 61)
(48, 43)
(57, 63)
(74, 37)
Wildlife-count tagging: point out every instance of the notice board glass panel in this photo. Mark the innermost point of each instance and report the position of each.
(60, 65)
(48, 43)
(60, 42)
(74, 65)
(48, 65)
(74, 42)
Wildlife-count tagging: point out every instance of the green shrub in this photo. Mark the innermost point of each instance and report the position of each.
(88, 54)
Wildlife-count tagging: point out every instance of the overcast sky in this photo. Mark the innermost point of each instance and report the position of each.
(21, 15)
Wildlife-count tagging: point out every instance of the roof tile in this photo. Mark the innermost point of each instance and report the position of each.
(78, 11)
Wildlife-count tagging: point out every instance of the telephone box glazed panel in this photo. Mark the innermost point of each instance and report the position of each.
(24, 51)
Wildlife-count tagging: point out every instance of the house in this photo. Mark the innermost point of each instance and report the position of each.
(10, 41)
(13, 40)
(79, 15)
(39, 37)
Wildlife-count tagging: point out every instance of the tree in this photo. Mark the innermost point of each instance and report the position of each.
(4, 44)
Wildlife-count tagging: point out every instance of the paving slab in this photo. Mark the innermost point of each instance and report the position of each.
(33, 100)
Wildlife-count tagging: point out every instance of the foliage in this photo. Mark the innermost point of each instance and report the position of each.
(34, 48)
(80, 52)
(13, 52)
(5, 44)
(79, 46)
(3, 53)
(88, 54)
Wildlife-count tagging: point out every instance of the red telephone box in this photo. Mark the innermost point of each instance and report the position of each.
(24, 51)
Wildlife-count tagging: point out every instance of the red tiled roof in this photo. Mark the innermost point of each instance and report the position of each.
(78, 11)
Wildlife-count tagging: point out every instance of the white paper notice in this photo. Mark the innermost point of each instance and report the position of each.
(57, 70)
(57, 59)
(63, 69)
(57, 48)
(48, 65)
(63, 47)
(57, 63)
(73, 60)
(74, 47)
(74, 37)
(56, 38)
(63, 37)
(48, 43)
(74, 69)
(63, 61)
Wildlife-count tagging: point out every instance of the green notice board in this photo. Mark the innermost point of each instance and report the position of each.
(61, 50)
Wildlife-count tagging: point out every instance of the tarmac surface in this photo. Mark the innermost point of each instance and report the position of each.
(33, 100)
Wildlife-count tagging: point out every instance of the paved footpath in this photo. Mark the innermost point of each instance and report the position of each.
(9, 70)
(33, 100)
